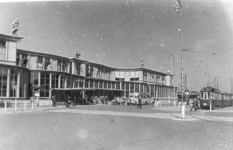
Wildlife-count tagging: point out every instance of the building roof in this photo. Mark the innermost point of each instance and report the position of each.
(140, 69)
(11, 37)
(90, 63)
(210, 89)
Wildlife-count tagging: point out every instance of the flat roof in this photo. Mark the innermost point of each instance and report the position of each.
(11, 37)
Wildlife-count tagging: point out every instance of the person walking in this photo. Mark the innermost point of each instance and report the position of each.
(68, 101)
(139, 102)
(195, 105)
(54, 101)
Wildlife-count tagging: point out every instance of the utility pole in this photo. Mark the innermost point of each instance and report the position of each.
(178, 8)
(174, 88)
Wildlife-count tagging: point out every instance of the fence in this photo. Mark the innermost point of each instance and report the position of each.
(18, 105)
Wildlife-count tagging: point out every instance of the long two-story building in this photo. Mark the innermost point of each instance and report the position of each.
(22, 72)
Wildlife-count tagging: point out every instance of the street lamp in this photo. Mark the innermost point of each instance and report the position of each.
(173, 76)
(178, 8)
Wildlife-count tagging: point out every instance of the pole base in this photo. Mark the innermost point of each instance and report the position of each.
(182, 111)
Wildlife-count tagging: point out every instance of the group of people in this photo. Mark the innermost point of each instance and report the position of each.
(100, 99)
(95, 100)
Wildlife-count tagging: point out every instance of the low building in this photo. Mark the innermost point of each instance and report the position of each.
(23, 72)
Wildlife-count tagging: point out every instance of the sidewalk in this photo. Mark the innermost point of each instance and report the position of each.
(28, 108)
(218, 114)
(167, 110)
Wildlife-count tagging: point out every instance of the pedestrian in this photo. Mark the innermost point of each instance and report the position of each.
(195, 105)
(106, 100)
(68, 101)
(54, 101)
(139, 102)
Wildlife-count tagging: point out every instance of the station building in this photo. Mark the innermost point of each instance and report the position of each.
(23, 72)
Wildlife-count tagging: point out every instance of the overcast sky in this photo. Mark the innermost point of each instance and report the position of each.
(120, 33)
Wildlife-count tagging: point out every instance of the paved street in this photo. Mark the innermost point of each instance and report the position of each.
(104, 127)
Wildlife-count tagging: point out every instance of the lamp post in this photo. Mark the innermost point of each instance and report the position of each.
(174, 89)
(178, 8)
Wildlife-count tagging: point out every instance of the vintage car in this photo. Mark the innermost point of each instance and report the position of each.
(133, 98)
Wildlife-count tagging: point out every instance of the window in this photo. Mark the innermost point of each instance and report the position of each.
(78, 68)
(33, 81)
(44, 82)
(89, 71)
(55, 79)
(118, 85)
(105, 85)
(141, 88)
(120, 79)
(144, 76)
(23, 83)
(157, 78)
(62, 82)
(76, 82)
(96, 84)
(81, 83)
(59, 65)
(134, 79)
(136, 87)
(123, 86)
(47, 64)
(67, 82)
(2, 50)
(113, 85)
(70, 67)
(131, 87)
(34, 78)
(91, 83)
(24, 60)
(63, 66)
(147, 88)
(109, 85)
(108, 75)
(152, 90)
(40, 63)
(17, 59)
(3, 81)
(86, 83)
(100, 84)
(13, 82)
(71, 83)
(127, 88)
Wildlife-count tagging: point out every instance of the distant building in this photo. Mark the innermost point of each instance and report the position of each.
(23, 72)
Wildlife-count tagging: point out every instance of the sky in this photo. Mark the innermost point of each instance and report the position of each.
(121, 33)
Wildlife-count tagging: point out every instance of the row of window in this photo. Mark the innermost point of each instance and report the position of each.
(92, 71)
(150, 77)
(15, 77)
(42, 79)
(55, 80)
(46, 63)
